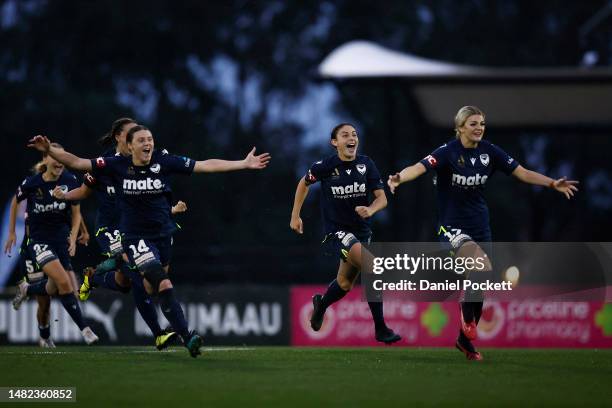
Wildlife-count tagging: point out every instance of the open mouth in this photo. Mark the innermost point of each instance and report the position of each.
(351, 147)
(146, 150)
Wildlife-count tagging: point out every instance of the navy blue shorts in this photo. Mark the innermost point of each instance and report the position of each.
(340, 242)
(109, 240)
(144, 252)
(43, 252)
(28, 266)
(453, 237)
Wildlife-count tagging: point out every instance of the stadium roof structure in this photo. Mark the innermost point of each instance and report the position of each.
(512, 97)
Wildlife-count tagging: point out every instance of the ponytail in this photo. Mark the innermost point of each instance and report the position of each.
(108, 139)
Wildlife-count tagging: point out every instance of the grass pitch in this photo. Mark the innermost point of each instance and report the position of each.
(313, 377)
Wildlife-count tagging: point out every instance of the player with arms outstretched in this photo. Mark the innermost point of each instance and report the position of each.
(142, 188)
(463, 167)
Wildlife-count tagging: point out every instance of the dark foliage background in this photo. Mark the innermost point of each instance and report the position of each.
(212, 79)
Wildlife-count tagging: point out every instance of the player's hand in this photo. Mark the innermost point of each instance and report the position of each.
(393, 182)
(83, 239)
(58, 193)
(256, 162)
(10, 243)
(363, 211)
(565, 186)
(297, 225)
(71, 247)
(179, 207)
(40, 143)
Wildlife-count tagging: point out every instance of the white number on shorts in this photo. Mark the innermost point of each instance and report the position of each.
(29, 266)
(40, 248)
(114, 237)
(142, 248)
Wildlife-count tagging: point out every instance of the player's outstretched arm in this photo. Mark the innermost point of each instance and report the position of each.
(301, 192)
(562, 185)
(380, 202)
(76, 194)
(12, 237)
(251, 161)
(408, 174)
(43, 144)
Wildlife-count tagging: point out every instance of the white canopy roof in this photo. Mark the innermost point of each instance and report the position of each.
(552, 96)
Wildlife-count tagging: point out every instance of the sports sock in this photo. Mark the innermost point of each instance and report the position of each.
(171, 308)
(45, 331)
(72, 307)
(467, 310)
(107, 265)
(478, 311)
(107, 280)
(145, 306)
(38, 288)
(377, 315)
(333, 294)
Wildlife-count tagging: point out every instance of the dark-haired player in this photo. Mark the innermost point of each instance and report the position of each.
(142, 188)
(53, 226)
(348, 180)
(114, 273)
(463, 167)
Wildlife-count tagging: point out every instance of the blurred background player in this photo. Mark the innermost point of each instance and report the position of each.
(142, 188)
(347, 182)
(30, 271)
(114, 273)
(53, 226)
(463, 166)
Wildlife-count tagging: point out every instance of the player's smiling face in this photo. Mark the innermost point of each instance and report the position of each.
(142, 147)
(346, 142)
(122, 145)
(473, 129)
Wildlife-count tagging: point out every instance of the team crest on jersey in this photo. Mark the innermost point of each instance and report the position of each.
(484, 159)
(155, 168)
(335, 174)
(39, 194)
(100, 162)
(461, 161)
(130, 171)
(361, 168)
(63, 188)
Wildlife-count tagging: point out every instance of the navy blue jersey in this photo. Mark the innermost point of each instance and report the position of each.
(108, 212)
(49, 219)
(344, 186)
(143, 192)
(461, 175)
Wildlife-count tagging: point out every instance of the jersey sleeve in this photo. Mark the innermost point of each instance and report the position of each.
(101, 166)
(315, 173)
(23, 191)
(437, 159)
(373, 177)
(502, 160)
(90, 181)
(177, 164)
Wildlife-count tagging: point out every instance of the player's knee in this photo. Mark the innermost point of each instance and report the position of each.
(155, 275)
(344, 283)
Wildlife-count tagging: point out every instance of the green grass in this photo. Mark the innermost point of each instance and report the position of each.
(313, 377)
